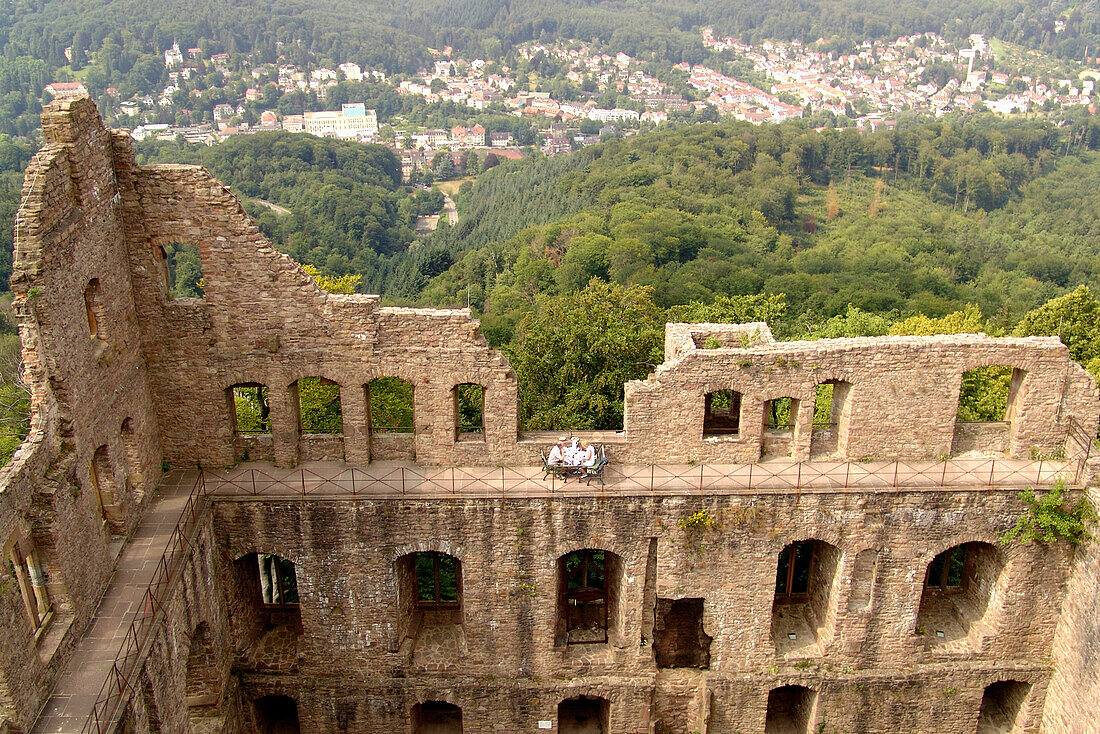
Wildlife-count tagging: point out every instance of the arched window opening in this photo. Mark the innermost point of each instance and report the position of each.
(438, 579)
(1003, 704)
(183, 270)
(781, 413)
(436, 717)
(588, 596)
(31, 580)
(988, 402)
(802, 609)
(790, 710)
(251, 408)
(276, 715)
(134, 475)
(469, 401)
(584, 715)
(93, 309)
(391, 405)
(679, 640)
(319, 406)
(780, 422)
(830, 418)
(958, 586)
(722, 413)
(102, 475)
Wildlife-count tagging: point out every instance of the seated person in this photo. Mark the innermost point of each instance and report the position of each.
(557, 453)
(588, 458)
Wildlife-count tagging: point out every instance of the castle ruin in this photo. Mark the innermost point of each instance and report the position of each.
(746, 566)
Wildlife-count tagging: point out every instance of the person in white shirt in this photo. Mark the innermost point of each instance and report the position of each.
(557, 453)
(589, 458)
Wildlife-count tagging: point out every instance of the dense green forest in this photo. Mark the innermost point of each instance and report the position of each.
(924, 219)
(345, 199)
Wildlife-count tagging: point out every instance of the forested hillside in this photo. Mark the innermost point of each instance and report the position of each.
(924, 219)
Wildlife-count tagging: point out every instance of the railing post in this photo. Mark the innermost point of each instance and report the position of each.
(847, 472)
(798, 482)
(750, 475)
(943, 476)
(403, 490)
(253, 473)
(992, 468)
(896, 465)
(1039, 474)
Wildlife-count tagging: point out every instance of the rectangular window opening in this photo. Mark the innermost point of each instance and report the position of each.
(391, 405)
(469, 412)
(252, 409)
(319, 403)
(722, 413)
(183, 271)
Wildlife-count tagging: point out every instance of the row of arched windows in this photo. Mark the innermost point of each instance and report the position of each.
(791, 709)
(956, 592)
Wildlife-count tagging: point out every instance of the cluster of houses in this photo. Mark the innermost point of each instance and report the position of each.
(877, 78)
(882, 78)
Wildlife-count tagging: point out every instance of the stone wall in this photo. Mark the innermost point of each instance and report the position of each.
(508, 673)
(902, 394)
(1075, 685)
(81, 348)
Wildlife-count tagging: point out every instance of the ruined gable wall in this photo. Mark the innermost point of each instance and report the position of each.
(902, 403)
(82, 390)
(263, 320)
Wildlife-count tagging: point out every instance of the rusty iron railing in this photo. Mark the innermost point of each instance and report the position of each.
(766, 477)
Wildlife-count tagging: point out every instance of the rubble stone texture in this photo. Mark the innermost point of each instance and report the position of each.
(124, 378)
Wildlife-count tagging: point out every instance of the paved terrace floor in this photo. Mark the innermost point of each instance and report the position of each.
(79, 685)
(404, 479)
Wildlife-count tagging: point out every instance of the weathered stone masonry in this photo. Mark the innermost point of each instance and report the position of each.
(125, 377)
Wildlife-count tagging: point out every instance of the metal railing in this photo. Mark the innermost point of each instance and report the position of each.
(122, 680)
(768, 477)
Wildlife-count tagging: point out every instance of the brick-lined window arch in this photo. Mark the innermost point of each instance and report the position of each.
(391, 405)
(790, 710)
(588, 595)
(436, 717)
(804, 578)
(319, 405)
